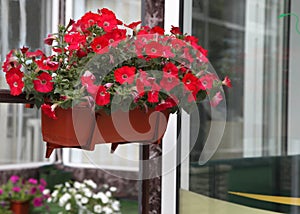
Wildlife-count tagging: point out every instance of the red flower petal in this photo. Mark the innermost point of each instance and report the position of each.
(103, 96)
(125, 74)
(43, 83)
(47, 110)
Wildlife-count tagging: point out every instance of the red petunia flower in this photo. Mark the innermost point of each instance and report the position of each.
(170, 70)
(177, 44)
(49, 40)
(75, 40)
(153, 96)
(103, 96)
(157, 30)
(49, 111)
(168, 83)
(115, 36)
(175, 30)
(87, 80)
(14, 79)
(45, 63)
(43, 83)
(125, 74)
(37, 53)
(168, 103)
(10, 62)
(100, 44)
(154, 49)
(207, 81)
(108, 20)
(133, 25)
(24, 49)
(192, 83)
(88, 20)
(227, 82)
(167, 52)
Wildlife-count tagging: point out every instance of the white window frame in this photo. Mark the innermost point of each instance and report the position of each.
(293, 90)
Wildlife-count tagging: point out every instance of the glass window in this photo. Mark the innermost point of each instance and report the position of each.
(23, 22)
(247, 41)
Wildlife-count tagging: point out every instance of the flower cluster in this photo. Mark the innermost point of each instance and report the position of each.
(76, 196)
(20, 189)
(105, 63)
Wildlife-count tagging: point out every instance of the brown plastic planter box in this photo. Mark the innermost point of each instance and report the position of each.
(80, 127)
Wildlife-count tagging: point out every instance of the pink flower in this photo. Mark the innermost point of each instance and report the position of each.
(32, 181)
(14, 179)
(43, 182)
(16, 189)
(37, 202)
(216, 99)
(33, 190)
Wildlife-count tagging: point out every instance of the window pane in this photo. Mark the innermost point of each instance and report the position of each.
(23, 23)
(246, 41)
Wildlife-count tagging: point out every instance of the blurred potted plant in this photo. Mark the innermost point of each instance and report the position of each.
(20, 193)
(101, 67)
(84, 197)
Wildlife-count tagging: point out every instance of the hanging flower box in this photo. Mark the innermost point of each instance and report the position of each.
(80, 127)
(112, 67)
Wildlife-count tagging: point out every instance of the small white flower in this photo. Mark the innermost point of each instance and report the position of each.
(103, 197)
(107, 210)
(58, 186)
(87, 192)
(116, 205)
(54, 193)
(84, 200)
(72, 190)
(108, 194)
(113, 189)
(49, 200)
(78, 196)
(105, 186)
(91, 183)
(46, 192)
(77, 185)
(68, 206)
(67, 184)
(97, 208)
(63, 200)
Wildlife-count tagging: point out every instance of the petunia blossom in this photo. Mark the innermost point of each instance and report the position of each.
(49, 111)
(227, 82)
(216, 99)
(37, 202)
(103, 96)
(125, 74)
(43, 83)
(14, 78)
(14, 179)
